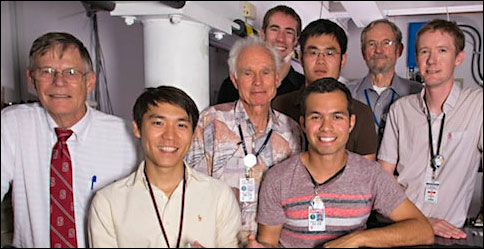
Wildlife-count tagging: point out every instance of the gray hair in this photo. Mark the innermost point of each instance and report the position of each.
(48, 41)
(250, 41)
(396, 31)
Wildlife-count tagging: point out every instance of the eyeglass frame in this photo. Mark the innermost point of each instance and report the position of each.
(326, 53)
(387, 43)
(56, 72)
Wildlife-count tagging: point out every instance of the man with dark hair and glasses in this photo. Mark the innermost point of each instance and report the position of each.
(55, 154)
(323, 46)
(381, 46)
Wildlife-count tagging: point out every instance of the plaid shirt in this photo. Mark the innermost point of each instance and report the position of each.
(217, 148)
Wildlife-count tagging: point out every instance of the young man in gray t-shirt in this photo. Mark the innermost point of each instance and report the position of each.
(327, 193)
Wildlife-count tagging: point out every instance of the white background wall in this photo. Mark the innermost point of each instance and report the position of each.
(9, 73)
(122, 46)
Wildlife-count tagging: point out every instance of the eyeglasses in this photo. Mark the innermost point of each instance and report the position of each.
(327, 53)
(373, 44)
(48, 74)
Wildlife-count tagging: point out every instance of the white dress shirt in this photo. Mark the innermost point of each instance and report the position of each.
(123, 213)
(101, 145)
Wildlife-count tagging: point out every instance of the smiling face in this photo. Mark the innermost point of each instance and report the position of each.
(257, 79)
(327, 123)
(166, 135)
(381, 58)
(63, 100)
(437, 58)
(320, 66)
(281, 33)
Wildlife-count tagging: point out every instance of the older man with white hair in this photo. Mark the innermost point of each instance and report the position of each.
(238, 141)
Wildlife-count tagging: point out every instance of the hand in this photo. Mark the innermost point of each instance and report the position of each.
(444, 229)
(253, 243)
(197, 244)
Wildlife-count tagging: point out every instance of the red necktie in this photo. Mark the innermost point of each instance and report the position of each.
(62, 219)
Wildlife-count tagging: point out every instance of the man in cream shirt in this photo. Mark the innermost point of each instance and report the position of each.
(434, 139)
(164, 203)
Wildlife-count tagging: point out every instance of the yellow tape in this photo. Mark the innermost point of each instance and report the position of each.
(249, 29)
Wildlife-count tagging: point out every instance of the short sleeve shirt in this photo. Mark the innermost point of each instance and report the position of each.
(287, 190)
(217, 147)
(406, 144)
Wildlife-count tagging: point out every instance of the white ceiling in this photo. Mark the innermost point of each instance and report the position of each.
(363, 12)
(219, 14)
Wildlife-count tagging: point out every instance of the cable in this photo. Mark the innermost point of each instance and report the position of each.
(321, 10)
(475, 51)
(473, 55)
(102, 91)
(479, 51)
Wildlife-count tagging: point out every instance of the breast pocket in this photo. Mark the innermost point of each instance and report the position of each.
(461, 140)
(458, 135)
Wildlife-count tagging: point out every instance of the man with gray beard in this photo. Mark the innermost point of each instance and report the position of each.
(381, 46)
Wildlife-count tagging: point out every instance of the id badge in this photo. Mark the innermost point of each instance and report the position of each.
(247, 190)
(431, 191)
(316, 219)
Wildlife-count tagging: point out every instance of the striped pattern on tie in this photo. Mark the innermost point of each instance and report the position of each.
(62, 219)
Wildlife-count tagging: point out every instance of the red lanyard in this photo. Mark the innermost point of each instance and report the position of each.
(158, 214)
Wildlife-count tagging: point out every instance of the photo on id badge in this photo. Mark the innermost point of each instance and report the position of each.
(316, 219)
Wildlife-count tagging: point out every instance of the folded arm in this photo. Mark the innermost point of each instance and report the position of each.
(410, 228)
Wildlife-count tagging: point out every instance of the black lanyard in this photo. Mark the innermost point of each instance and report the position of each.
(261, 148)
(441, 132)
(158, 214)
(317, 185)
(372, 112)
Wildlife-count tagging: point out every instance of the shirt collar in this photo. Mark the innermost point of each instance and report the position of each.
(451, 100)
(396, 84)
(139, 175)
(79, 130)
(366, 83)
(241, 115)
(449, 103)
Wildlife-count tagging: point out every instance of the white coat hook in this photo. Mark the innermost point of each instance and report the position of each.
(218, 35)
(175, 19)
(129, 20)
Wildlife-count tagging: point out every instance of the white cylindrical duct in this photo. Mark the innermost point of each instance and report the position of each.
(176, 54)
